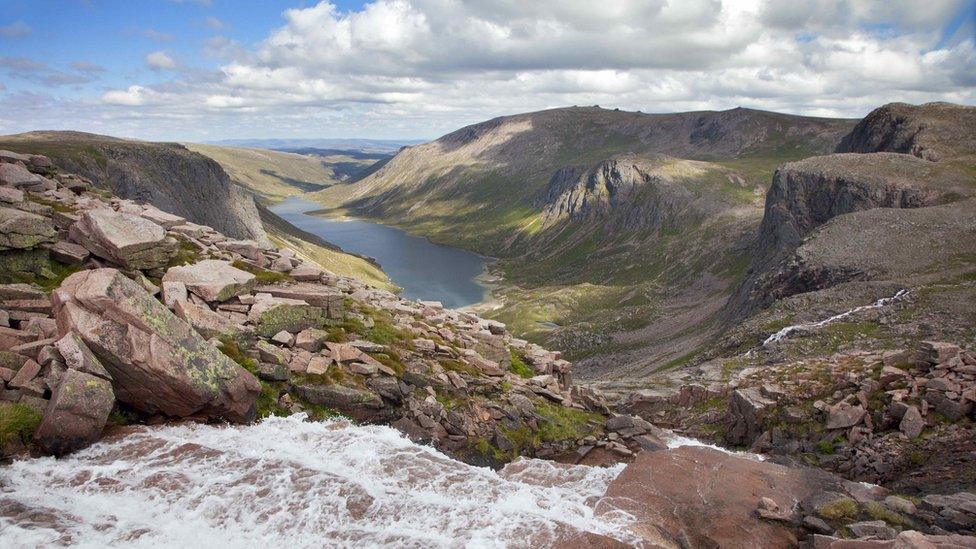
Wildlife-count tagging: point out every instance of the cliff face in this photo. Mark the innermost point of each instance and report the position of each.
(815, 232)
(934, 131)
(166, 175)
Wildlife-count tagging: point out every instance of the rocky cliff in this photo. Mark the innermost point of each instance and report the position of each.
(166, 175)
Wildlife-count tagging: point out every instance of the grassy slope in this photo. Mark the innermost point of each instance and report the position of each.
(271, 175)
(479, 188)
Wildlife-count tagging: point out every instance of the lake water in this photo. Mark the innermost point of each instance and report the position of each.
(423, 269)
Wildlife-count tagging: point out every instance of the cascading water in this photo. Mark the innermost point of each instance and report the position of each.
(290, 482)
(785, 332)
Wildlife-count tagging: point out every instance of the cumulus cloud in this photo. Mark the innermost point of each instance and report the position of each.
(424, 67)
(17, 29)
(159, 60)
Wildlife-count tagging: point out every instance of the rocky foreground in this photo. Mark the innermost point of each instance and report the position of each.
(114, 313)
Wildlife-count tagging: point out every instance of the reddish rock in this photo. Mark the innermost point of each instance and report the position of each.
(701, 497)
(159, 364)
(212, 279)
(76, 414)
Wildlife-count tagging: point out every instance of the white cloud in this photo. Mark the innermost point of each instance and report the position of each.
(159, 60)
(424, 67)
(131, 97)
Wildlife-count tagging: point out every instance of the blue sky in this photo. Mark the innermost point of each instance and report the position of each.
(202, 70)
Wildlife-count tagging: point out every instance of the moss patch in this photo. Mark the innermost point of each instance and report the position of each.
(262, 276)
(518, 366)
(18, 421)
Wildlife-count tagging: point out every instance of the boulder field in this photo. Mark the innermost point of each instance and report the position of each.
(114, 313)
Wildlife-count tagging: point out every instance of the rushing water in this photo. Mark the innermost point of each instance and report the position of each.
(423, 269)
(787, 331)
(286, 482)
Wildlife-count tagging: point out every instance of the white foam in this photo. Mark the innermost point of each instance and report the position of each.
(677, 441)
(289, 482)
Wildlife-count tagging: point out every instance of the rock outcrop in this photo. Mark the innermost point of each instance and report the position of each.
(123, 239)
(933, 131)
(158, 363)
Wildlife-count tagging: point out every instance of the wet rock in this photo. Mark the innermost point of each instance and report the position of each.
(707, 498)
(357, 403)
(212, 279)
(123, 239)
(77, 413)
(159, 364)
(22, 230)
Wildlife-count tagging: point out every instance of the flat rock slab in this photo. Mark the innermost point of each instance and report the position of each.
(159, 363)
(314, 294)
(21, 230)
(708, 498)
(212, 279)
(123, 239)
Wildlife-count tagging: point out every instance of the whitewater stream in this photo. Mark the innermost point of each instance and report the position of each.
(286, 482)
(796, 328)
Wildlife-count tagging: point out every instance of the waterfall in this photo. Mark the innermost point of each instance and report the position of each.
(785, 332)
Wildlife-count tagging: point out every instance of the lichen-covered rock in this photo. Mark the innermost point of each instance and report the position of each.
(21, 230)
(212, 279)
(271, 315)
(124, 239)
(78, 410)
(158, 363)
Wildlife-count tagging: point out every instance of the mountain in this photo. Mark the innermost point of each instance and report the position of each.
(620, 235)
(167, 175)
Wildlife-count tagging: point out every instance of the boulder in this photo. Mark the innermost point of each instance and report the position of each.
(124, 239)
(206, 322)
(165, 220)
(15, 175)
(22, 230)
(69, 253)
(311, 339)
(843, 415)
(11, 195)
(747, 409)
(316, 295)
(78, 410)
(357, 403)
(212, 279)
(158, 363)
(77, 356)
(271, 315)
(911, 422)
(707, 498)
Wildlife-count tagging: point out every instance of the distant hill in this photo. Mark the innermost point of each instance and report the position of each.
(362, 145)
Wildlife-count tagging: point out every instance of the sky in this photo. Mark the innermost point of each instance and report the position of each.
(203, 70)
